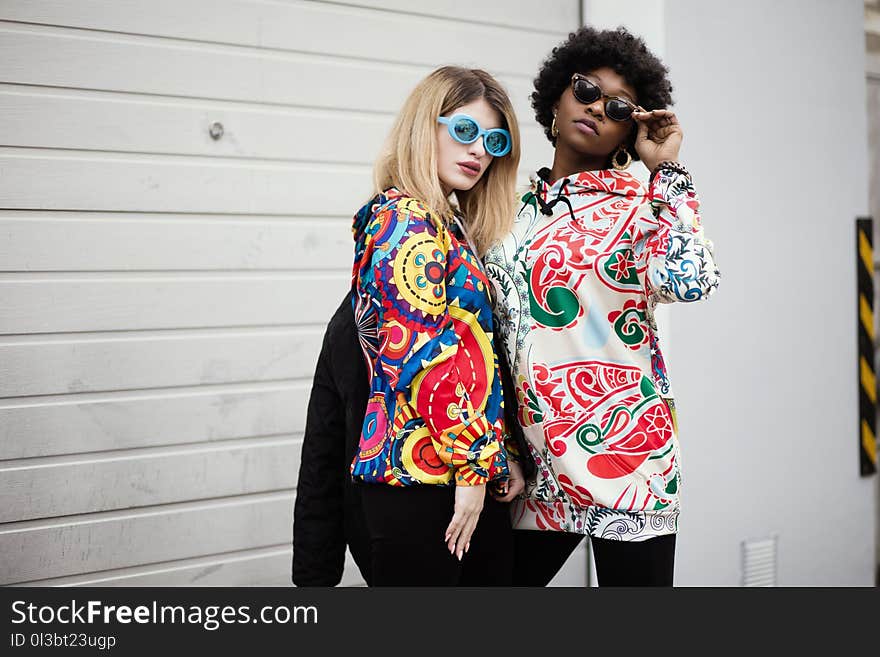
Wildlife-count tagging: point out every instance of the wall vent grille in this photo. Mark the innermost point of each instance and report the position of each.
(759, 562)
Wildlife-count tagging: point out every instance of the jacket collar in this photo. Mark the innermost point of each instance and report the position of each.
(364, 214)
(611, 181)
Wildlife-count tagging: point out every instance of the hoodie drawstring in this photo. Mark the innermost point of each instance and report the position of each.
(547, 208)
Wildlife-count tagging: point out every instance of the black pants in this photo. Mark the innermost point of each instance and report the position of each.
(538, 556)
(407, 526)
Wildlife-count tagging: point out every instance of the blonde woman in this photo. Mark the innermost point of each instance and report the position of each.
(433, 437)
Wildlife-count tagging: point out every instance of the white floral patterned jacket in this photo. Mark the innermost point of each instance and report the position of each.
(577, 281)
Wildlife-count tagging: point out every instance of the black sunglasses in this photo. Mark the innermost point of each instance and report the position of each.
(587, 92)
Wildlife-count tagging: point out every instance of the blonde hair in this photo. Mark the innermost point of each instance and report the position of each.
(409, 158)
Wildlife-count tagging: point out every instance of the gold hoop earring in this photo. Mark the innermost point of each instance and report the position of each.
(616, 157)
(553, 129)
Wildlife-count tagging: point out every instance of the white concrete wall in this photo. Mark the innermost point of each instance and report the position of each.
(162, 293)
(772, 100)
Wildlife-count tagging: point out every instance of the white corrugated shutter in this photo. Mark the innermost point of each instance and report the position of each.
(163, 292)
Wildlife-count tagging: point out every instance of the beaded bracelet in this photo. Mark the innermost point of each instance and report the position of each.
(670, 165)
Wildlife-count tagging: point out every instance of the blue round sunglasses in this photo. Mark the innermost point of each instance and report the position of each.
(465, 130)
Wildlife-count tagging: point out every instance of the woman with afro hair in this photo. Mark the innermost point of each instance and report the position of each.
(592, 252)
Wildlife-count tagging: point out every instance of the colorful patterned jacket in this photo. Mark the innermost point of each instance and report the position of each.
(424, 318)
(577, 282)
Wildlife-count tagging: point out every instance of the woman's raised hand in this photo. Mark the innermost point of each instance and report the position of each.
(659, 137)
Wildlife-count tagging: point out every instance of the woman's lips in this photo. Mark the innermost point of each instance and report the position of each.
(586, 127)
(471, 169)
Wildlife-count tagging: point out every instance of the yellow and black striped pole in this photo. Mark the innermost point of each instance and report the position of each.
(867, 377)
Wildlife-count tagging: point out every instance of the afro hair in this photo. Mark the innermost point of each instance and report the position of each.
(589, 49)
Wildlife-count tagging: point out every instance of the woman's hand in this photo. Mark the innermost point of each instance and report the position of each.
(515, 485)
(468, 504)
(659, 137)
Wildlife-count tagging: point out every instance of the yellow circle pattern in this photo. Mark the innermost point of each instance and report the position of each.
(414, 266)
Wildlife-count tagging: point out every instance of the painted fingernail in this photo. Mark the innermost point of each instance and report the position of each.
(460, 554)
(467, 547)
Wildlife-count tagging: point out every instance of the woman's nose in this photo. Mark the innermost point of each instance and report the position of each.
(597, 108)
(477, 149)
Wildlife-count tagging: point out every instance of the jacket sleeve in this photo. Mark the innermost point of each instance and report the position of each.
(515, 440)
(420, 350)
(318, 516)
(679, 260)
